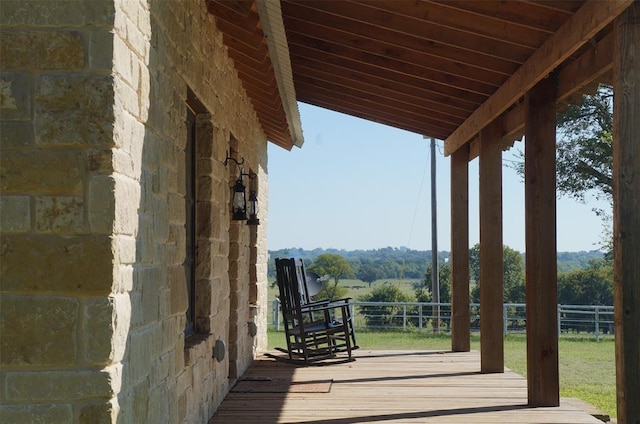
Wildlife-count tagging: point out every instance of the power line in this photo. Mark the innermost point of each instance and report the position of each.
(415, 212)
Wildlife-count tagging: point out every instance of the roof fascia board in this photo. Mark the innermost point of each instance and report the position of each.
(592, 17)
(270, 14)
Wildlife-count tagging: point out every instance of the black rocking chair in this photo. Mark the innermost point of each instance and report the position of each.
(314, 331)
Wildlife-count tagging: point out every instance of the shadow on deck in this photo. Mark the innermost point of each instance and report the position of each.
(387, 387)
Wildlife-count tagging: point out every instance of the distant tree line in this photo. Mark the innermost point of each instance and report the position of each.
(367, 265)
(396, 263)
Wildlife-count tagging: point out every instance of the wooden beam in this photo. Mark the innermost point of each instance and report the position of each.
(460, 328)
(593, 64)
(491, 251)
(541, 255)
(579, 29)
(626, 210)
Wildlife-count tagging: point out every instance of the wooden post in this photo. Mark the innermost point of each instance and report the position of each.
(626, 211)
(460, 331)
(541, 255)
(491, 273)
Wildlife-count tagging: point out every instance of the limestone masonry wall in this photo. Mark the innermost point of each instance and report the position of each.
(93, 177)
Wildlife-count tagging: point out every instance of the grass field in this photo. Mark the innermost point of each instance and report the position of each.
(587, 367)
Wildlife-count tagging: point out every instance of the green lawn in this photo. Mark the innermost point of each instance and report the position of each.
(587, 367)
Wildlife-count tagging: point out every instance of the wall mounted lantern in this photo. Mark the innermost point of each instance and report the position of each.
(252, 208)
(239, 207)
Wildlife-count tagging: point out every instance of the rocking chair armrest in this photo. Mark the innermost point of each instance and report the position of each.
(327, 302)
(343, 300)
(324, 306)
(316, 303)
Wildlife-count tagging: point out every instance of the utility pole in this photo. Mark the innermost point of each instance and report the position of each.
(435, 282)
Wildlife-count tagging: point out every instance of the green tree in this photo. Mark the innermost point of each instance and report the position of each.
(585, 154)
(423, 292)
(590, 286)
(368, 272)
(387, 315)
(513, 274)
(336, 267)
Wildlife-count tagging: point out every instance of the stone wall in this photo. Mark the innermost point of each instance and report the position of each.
(93, 103)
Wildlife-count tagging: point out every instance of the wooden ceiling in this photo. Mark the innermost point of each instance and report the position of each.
(438, 68)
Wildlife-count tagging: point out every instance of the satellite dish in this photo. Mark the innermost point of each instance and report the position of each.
(314, 283)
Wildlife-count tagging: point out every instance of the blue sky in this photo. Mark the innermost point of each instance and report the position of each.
(356, 184)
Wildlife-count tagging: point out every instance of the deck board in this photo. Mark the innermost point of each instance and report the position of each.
(394, 387)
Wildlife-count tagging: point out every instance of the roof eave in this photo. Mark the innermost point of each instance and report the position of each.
(270, 15)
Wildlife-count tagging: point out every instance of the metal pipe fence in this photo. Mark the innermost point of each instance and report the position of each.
(436, 317)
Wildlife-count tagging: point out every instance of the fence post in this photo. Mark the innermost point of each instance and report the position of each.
(404, 316)
(420, 316)
(597, 313)
(504, 319)
(275, 309)
(559, 320)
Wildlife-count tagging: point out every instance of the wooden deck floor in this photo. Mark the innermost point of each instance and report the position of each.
(387, 387)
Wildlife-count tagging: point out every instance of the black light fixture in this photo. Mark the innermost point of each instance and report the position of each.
(239, 205)
(239, 202)
(252, 208)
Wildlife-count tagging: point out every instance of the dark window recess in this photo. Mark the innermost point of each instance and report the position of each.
(190, 222)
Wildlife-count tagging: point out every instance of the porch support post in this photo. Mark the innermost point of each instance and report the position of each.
(626, 211)
(541, 255)
(491, 273)
(460, 331)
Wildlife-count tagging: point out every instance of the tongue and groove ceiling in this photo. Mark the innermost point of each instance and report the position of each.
(441, 69)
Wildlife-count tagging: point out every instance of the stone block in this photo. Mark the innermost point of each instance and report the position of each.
(56, 13)
(127, 203)
(137, 314)
(58, 385)
(145, 247)
(97, 330)
(161, 367)
(204, 296)
(204, 261)
(122, 58)
(101, 204)
(97, 413)
(60, 214)
(101, 50)
(172, 334)
(22, 172)
(150, 300)
(100, 161)
(45, 263)
(123, 278)
(41, 50)
(74, 109)
(178, 285)
(160, 407)
(16, 135)
(36, 413)
(125, 250)
(160, 220)
(141, 403)
(38, 330)
(144, 347)
(126, 97)
(122, 324)
(15, 214)
(15, 94)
